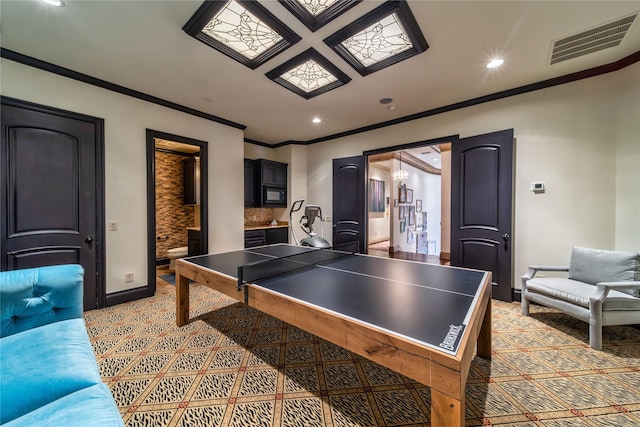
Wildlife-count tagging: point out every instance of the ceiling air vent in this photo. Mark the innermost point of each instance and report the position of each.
(593, 40)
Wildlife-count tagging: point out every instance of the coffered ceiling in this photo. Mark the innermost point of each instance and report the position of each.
(142, 46)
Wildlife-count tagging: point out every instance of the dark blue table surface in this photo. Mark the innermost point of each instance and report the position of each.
(425, 303)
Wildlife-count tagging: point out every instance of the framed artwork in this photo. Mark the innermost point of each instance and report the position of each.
(409, 195)
(424, 221)
(402, 193)
(402, 212)
(412, 215)
(411, 235)
(376, 195)
(418, 205)
(418, 221)
(423, 243)
(403, 225)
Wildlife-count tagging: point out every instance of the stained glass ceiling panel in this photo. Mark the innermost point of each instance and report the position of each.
(241, 29)
(383, 37)
(379, 41)
(317, 13)
(316, 7)
(308, 74)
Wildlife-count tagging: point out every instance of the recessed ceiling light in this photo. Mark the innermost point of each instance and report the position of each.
(391, 107)
(495, 63)
(316, 120)
(386, 100)
(56, 3)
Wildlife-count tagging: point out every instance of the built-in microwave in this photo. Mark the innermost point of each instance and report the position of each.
(274, 196)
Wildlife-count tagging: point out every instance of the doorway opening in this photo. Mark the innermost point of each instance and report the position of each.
(176, 205)
(412, 219)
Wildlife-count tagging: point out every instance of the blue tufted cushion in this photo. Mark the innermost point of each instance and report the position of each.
(43, 364)
(91, 406)
(37, 296)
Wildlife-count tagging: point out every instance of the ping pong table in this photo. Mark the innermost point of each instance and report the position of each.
(420, 320)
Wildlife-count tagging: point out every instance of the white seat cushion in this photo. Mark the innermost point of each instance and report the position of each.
(579, 293)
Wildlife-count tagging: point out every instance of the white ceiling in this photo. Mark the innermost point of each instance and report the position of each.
(141, 45)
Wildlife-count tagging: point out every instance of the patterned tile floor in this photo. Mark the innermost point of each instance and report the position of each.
(235, 366)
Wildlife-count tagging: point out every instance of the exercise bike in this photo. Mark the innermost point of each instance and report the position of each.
(311, 212)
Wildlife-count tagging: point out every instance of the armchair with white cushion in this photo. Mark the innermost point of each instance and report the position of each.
(602, 289)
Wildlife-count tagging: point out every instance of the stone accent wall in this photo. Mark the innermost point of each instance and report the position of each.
(172, 217)
(257, 216)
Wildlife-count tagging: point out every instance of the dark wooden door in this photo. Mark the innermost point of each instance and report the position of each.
(49, 182)
(349, 208)
(481, 207)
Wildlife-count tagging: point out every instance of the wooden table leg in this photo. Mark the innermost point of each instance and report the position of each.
(446, 411)
(182, 300)
(484, 339)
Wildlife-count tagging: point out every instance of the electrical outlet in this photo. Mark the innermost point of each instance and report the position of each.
(128, 277)
(113, 225)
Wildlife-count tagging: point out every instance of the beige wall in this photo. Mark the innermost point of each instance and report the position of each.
(126, 120)
(627, 163)
(580, 138)
(379, 223)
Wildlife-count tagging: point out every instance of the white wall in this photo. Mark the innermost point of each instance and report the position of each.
(445, 203)
(296, 157)
(581, 138)
(627, 163)
(426, 187)
(378, 222)
(126, 120)
(570, 136)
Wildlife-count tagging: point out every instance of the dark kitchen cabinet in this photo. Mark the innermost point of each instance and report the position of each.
(265, 183)
(191, 167)
(272, 173)
(249, 183)
(266, 236)
(277, 235)
(253, 238)
(193, 242)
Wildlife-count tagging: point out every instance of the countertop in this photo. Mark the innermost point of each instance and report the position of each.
(254, 226)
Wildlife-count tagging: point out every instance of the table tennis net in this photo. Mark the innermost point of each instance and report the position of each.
(262, 270)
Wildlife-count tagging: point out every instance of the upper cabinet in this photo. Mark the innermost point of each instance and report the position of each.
(249, 183)
(265, 183)
(191, 168)
(273, 173)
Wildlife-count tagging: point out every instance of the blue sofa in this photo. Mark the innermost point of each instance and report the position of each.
(48, 371)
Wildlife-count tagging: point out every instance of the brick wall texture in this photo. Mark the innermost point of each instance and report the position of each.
(172, 216)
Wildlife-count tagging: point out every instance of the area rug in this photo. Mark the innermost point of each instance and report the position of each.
(235, 366)
(169, 278)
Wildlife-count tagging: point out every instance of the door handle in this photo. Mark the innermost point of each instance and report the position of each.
(506, 238)
(88, 239)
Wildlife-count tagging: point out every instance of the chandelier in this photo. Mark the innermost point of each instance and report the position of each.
(400, 176)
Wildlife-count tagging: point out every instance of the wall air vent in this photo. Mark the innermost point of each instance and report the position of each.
(593, 40)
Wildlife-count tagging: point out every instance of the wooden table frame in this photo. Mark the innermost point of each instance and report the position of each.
(446, 374)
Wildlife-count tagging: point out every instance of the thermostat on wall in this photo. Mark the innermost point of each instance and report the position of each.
(538, 187)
